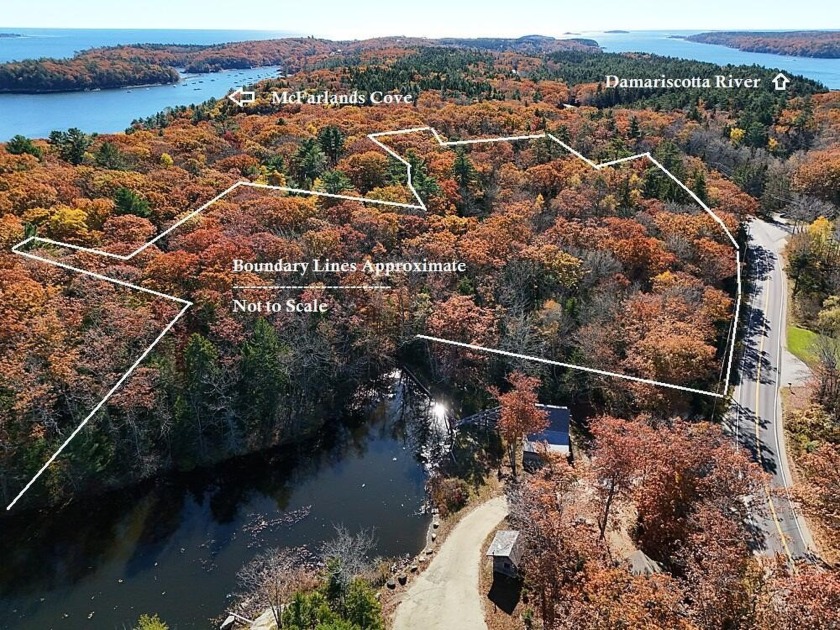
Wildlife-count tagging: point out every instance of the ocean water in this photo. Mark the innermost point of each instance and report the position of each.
(60, 43)
(667, 43)
(109, 111)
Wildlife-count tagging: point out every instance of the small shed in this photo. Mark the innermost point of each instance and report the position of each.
(555, 436)
(506, 551)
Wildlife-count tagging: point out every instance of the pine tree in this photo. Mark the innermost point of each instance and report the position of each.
(21, 144)
(71, 144)
(129, 202)
(331, 141)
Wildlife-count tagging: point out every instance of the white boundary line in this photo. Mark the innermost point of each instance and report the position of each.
(419, 206)
(583, 368)
(596, 166)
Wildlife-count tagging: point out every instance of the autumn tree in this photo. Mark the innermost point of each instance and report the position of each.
(809, 598)
(721, 576)
(611, 597)
(561, 546)
(519, 414)
(821, 492)
(617, 461)
(819, 175)
(700, 467)
(460, 319)
(366, 170)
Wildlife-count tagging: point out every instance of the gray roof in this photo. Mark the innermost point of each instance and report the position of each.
(504, 545)
(642, 564)
(556, 434)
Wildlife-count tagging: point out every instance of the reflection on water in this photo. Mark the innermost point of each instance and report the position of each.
(174, 547)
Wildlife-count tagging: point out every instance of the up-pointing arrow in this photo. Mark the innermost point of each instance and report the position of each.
(781, 82)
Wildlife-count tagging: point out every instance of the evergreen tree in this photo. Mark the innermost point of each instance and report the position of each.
(151, 622)
(423, 183)
(463, 170)
(699, 186)
(263, 378)
(201, 362)
(109, 156)
(308, 162)
(306, 611)
(634, 132)
(362, 608)
(334, 182)
(331, 141)
(129, 202)
(71, 144)
(657, 183)
(21, 144)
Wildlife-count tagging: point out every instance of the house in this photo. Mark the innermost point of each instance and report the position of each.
(506, 551)
(554, 438)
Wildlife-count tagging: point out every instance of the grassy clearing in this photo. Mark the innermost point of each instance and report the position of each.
(801, 343)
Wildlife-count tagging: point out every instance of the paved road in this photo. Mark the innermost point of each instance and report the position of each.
(756, 414)
(446, 594)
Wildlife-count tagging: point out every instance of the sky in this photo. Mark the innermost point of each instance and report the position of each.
(352, 19)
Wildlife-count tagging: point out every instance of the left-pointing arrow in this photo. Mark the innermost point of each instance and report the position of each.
(242, 97)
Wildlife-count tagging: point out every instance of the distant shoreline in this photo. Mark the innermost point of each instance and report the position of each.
(146, 65)
(815, 44)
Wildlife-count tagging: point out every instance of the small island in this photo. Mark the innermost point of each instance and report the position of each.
(9, 35)
(821, 44)
(614, 31)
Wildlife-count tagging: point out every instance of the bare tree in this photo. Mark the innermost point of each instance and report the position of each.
(347, 557)
(270, 579)
(807, 209)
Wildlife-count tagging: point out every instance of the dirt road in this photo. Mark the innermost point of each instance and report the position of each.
(446, 594)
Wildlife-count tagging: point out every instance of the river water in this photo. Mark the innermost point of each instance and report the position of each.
(667, 43)
(110, 111)
(174, 547)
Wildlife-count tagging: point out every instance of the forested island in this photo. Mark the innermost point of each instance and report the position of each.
(823, 44)
(152, 64)
(615, 269)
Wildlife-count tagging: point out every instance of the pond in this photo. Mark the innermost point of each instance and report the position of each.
(174, 546)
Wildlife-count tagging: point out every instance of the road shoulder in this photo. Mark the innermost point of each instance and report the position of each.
(447, 594)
